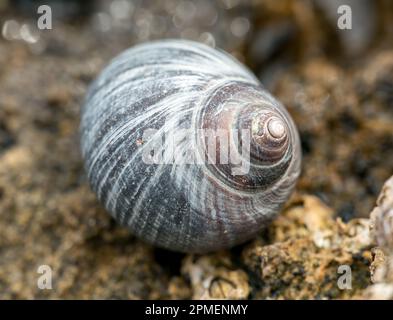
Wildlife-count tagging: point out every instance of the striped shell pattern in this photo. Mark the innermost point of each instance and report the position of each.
(153, 128)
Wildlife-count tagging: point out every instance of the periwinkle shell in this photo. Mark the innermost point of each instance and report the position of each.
(183, 89)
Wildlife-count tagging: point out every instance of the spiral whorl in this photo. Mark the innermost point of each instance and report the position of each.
(269, 134)
(183, 145)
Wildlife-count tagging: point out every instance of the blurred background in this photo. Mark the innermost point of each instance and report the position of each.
(337, 85)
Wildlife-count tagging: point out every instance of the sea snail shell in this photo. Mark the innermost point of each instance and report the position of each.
(189, 91)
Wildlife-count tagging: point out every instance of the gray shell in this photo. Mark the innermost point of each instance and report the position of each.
(189, 206)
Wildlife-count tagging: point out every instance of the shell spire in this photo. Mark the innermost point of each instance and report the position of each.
(184, 146)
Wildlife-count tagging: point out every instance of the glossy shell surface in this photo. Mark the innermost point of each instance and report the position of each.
(164, 96)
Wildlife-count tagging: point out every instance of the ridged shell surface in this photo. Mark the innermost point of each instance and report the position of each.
(150, 109)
